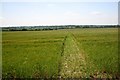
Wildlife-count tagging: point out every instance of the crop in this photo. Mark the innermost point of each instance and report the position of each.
(100, 47)
(31, 54)
(70, 53)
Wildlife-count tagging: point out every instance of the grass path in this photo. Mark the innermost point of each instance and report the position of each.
(73, 61)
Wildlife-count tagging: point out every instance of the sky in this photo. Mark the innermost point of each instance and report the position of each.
(58, 13)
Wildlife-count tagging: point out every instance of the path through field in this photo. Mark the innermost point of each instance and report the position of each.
(73, 61)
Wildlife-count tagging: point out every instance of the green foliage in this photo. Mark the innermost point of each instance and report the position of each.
(101, 49)
(37, 54)
(31, 54)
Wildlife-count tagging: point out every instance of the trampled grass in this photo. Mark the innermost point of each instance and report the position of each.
(101, 49)
(73, 61)
(37, 54)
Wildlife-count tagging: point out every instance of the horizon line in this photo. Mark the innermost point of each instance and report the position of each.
(63, 25)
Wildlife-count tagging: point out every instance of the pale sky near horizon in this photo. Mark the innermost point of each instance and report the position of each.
(58, 13)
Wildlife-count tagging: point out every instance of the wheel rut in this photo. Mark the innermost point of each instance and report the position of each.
(73, 61)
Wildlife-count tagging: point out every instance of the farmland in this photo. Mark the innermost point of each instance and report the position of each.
(68, 53)
(100, 46)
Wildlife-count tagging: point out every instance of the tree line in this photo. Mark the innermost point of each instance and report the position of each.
(42, 28)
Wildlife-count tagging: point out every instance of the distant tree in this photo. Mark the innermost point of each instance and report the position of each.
(24, 29)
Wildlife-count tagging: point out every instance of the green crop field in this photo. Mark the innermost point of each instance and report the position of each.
(100, 47)
(70, 53)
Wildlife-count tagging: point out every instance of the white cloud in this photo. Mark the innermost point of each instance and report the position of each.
(96, 13)
(71, 14)
(1, 18)
(50, 5)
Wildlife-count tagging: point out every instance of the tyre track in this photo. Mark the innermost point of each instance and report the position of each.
(73, 62)
(62, 53)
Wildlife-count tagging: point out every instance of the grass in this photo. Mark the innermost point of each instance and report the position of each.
(31, 54)
(44, 54)
(101, 49)
(73, 62)
(0, 53)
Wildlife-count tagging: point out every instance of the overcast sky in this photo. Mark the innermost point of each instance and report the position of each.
(58, 13)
